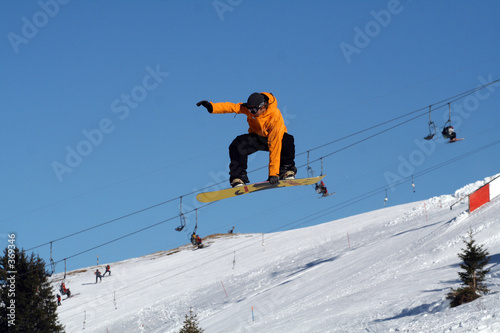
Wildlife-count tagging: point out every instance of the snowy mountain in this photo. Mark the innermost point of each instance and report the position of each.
(384, 271)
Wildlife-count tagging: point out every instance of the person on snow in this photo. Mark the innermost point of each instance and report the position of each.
(267, 132)
(449, 133)
(97, 275)
(58, 299)
(108, 270)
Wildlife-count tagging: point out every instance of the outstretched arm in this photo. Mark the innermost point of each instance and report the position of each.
(227, 107)
(206, 104)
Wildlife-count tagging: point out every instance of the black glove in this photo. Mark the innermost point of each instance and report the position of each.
(273, 180)
(206, 104)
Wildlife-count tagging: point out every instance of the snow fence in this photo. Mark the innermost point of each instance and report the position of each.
(484, 194)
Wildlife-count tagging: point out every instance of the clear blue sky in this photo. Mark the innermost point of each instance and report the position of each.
(98, 117)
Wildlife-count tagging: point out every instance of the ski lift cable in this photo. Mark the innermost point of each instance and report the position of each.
(367, 138)
(120, 238)
(131, 233)
(438, 105)
(449, 100)
(105, 223)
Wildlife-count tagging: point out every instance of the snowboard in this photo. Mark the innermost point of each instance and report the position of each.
(72, 295)
(455, 140)
(200, 247)
(249, 188)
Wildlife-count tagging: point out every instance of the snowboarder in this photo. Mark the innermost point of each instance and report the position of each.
(97, 275)
(58, 299)
(231, 230)
(108, 270)
(267, 132)
(449, 133)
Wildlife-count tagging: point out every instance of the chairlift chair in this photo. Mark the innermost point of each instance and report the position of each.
(432, 127)
(183, 219)
(447, 124)
(319, 187)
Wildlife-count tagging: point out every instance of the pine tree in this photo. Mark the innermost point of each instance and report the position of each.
(27, 303)
(191, 324)
(474, 259)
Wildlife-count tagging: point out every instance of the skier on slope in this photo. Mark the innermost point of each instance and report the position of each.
(108, 270)
(267, 132)
(98, 275)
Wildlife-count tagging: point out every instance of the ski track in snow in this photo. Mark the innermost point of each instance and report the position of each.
(394, 277)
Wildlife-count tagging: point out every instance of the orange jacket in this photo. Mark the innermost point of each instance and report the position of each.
(270, 124)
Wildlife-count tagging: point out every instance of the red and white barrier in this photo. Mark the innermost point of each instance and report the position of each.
(494, 188)
(484, 194)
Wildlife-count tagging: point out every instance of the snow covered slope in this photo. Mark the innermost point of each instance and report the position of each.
(382, 271)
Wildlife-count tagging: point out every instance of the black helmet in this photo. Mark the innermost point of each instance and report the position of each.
(255, 102)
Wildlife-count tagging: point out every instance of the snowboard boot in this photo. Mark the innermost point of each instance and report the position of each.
(288, 172)
(237, 183)
(242, 180)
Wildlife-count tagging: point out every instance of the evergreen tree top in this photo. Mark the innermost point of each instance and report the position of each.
(191, 324)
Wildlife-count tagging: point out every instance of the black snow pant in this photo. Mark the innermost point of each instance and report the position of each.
(248, 144)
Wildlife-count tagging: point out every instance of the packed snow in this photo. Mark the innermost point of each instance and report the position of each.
(384, 271)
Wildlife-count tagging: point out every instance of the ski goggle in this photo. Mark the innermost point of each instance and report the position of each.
(255, 109)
